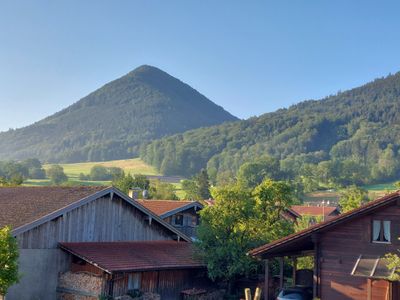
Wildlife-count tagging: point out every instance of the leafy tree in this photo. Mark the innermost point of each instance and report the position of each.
(393, 262)
(203, 184)
(306, 262)
(126, 182)
(352, 197)
(162, 190)
(252, 174)
(8, 260)
(56, 174)
(191, 190)
(240, 220)
(99, 172)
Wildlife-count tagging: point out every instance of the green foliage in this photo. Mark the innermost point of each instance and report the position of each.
(56, 175)
(8, 260)
(252, 174)
(162, 190)
(191, 190)
(126, 182)
(101, 173)
(198, 188)
(352, 197)
(349, 138)
(116, 120)
(240, 220)
(393, 262)
(306, 262)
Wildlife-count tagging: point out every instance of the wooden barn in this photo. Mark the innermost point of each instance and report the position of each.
(162, 267)
(43, 218)
(183, 215)
(348, 252)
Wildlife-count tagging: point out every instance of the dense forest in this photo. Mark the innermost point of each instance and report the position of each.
(352, 137)
(112, 122)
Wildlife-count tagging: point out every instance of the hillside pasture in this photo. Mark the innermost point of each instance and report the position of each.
(133, 166)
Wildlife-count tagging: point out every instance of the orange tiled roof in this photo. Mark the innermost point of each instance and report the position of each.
(314, 210)
(161, 207)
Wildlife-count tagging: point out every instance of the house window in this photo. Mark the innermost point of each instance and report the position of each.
(380, 231)
(195, 221)
(178, 220)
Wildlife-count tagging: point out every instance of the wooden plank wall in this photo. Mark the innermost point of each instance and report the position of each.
(100, 220)
(340, 249)
(168, 283)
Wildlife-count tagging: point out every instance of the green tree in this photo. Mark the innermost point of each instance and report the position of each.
(240, 220)
(252, 174)
(56, 174)
(162, 190)
(8, 260)
(99, 172)
(191, 190)
(203, 184)
(352, 197)
(126, 182)
(306, 262)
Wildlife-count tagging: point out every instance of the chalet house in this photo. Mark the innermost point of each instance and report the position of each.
(348, 253)
(79, 242)
(183, 215)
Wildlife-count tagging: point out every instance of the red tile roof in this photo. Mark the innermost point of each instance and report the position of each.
(23, 205)
(136, 256)
(367, 208)
(161, 207)
(314, 210)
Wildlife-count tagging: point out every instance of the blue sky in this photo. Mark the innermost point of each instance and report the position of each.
(251, 57)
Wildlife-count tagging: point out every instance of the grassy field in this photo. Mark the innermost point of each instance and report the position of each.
(374, 191)
(133, 166)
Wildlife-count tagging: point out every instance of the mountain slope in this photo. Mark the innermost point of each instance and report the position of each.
(113, 121)
(360, 127)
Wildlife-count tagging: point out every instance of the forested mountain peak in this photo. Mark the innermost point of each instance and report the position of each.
(115, 120)
(352, 136)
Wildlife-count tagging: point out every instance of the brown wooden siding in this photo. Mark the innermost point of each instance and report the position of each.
(98, 221)
(340, 249)
(168, 284)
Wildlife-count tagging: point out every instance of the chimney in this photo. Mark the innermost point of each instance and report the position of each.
(134, 192)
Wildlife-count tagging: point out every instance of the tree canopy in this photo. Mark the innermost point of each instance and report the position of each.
(240, 220)
(348, 138)
(8, 260)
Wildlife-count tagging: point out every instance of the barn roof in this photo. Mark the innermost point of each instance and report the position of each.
(23, 205)
(24, 208)
(302, 240)
(166, 208)
(315, 210)
(136, 256)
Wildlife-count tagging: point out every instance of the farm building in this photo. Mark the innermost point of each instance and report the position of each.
(183, 215)
(58, 228)
(348, 252)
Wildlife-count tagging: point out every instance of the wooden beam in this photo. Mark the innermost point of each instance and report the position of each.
(315, 239)
(266, 280)
(281, 272)
(294, 270)
(369, 289)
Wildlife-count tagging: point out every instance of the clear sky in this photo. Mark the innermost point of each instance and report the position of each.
(251, 57)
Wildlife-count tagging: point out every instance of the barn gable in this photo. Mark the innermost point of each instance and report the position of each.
(105, 215)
